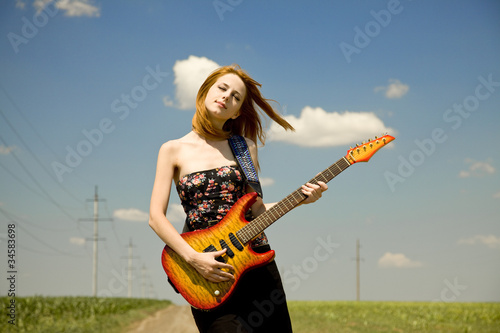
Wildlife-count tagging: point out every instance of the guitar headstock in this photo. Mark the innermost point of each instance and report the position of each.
(363, 152)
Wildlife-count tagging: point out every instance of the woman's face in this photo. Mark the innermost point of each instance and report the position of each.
(224, 99)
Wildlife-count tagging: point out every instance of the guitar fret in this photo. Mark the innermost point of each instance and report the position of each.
(259, 224)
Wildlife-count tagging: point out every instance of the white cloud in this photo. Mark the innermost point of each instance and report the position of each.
(175, 213)
(398, 260)
(167, 101)
(77, 241)
(131, 214)
(189, 76)
(266, 181)
(4, 150)
(318, 128)
(476, 169)
(20, 4)
(490, 241)
(71, 8)
(395, 89)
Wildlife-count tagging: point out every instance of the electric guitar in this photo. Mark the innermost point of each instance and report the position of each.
(234, 233)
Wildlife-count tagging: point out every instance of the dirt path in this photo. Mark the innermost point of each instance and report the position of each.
(174, 319)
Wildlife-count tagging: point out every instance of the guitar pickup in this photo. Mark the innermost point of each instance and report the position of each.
(224, 245)
(212, 248)
(235, 242)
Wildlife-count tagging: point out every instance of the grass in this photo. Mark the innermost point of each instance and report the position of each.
(371, 317)
(113, 315)
(76, 314)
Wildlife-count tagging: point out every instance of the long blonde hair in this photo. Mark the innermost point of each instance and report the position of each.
(248, 123)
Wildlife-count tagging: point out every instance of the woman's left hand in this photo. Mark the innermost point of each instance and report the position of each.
(313, 192)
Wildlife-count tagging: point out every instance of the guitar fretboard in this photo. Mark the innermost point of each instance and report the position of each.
(263, 221)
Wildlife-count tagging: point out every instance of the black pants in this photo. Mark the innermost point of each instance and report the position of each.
(258, 305)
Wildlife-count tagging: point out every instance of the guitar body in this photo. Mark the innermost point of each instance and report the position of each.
(197, 290)
(235, 233)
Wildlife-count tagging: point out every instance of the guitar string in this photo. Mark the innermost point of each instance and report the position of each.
(288, 203)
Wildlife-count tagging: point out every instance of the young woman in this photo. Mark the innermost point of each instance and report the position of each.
(209, 181)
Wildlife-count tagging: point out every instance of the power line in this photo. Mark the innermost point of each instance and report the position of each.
(18, 109)
(40, 187)
(14, 217)
(42, 140)
(34, 156)
(20, 180)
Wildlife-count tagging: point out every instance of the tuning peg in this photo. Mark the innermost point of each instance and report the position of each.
(377, 142)
(376, 137)
(371, 145)
(383, 140)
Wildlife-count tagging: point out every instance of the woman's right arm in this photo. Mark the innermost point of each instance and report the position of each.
(204, 263)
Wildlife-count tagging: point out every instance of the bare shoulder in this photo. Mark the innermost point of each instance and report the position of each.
(176, 145)
(251, 144)
(173, 148)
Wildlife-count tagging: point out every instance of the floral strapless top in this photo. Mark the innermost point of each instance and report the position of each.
(207, 196)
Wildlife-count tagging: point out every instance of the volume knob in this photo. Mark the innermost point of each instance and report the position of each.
(216, 293)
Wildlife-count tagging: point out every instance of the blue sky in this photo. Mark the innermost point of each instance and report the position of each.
(91, 89)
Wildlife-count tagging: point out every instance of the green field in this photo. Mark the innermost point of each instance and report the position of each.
(112, 315)
(76, 314)
(369, 317)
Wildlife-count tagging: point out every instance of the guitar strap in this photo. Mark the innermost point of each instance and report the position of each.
(240, 150)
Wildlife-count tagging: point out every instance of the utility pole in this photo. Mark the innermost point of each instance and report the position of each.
(95, 239)
(130, 268)
(143, 281)
(358, 259)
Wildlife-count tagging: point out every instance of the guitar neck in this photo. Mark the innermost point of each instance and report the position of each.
(263, 221)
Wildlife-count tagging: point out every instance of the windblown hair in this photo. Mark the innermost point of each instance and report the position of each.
(248, 123)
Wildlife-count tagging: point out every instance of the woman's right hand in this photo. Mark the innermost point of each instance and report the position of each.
(211, 269)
